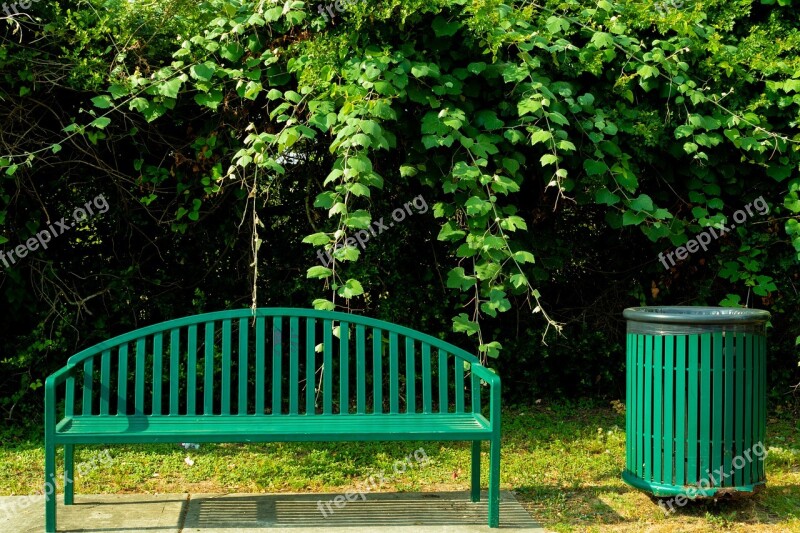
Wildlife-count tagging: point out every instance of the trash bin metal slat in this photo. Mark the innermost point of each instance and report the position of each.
(717, 414)
(705, 404)
(680, 412)
(669, 412)
(648, 409)
(658, 402)
(730, 413)
(691, 452)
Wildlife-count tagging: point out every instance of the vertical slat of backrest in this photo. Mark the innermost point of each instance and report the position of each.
(344, 368)
(88, 372)
(208, 374)
(427, 396)
(225, 407)
(294, 366)
(377, 369)
(361, 361)
(475, 393)
(311, 366)
(459, 383)
(139, 378)
(327, 368)
(244, 342)
(174, 371)
(105, 382)
(411, 376)
(158, 368)
(260, 365)
(394, 374)
(443, 403)
(122, 385)
(191, 371)
(277, 364)
(69, 399)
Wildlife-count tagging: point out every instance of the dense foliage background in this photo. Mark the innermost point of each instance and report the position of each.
(557, 148)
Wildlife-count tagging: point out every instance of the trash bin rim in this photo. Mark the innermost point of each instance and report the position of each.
(691, 314)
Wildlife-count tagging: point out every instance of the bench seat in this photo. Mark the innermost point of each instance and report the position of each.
(285, 428)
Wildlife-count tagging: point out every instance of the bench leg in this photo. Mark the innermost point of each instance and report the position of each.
(494, 482)
(475, 494)
(69, 474)
(49, 487)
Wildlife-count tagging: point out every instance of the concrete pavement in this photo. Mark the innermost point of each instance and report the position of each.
(438, 512)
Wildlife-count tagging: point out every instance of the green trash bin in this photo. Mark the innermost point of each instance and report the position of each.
(696, 400)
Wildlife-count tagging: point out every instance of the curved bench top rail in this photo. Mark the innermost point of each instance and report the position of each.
(270, 312)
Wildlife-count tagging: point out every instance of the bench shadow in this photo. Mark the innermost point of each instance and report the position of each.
(380, 510)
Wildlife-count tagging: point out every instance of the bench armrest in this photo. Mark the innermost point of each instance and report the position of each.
(54, 380)
(59, 376)
(481, 372)
(486, 375)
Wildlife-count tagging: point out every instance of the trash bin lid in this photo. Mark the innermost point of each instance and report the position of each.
(688, 319)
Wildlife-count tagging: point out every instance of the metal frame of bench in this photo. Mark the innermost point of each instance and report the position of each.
(170, 404)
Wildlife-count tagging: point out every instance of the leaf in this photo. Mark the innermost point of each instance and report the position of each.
(541, 136)
(604, 196)
(779, 173)
(232, 52)
(602, 39)
(201, 72)
(642, 203)
(170, 88)
(100, 122)
(476, 68)
(55, 148)
(359, 219)
(519, 280)
(319, 272)
(462, 323)
(317, 239)
(457, 279)
(594, 168)
(102, 102)
(323, 305)
(350, 289)
(211, 99)
(450, 232)
(548, 159)
(442, 28)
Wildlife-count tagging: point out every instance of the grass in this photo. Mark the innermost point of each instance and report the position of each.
(563, 461)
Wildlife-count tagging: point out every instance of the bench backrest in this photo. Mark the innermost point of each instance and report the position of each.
(269, 362)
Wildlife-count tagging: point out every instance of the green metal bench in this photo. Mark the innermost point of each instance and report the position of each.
(236, 376)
